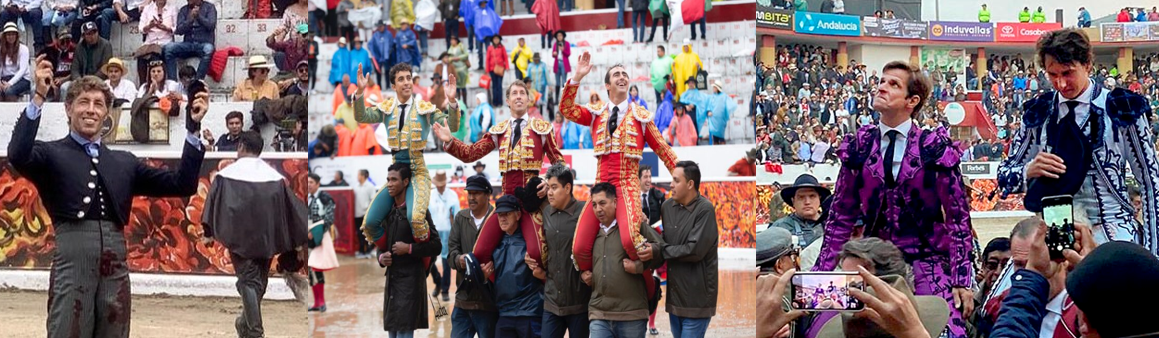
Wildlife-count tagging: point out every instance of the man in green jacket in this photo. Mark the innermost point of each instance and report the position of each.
(619, 306)
(984, 14)
(92, 53)
(1039, 16)
(565, 305)
(690, 242)
(475, 311)
(661, 70)
(1024, 16)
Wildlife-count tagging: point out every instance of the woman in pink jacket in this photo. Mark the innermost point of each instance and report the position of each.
(561, 51)
(681, 132)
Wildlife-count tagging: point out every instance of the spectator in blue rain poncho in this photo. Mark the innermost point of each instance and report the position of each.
(720, 107)
(381, 45)
(407, 44)
(695, 102)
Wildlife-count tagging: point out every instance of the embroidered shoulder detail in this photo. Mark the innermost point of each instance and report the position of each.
(387, 105)
(425, 107)
(1125, 107)
(642, 114)
(499, 129)
(938, 150)
(595, 109)
(1036, 110)
(855, 148)
(540, 126)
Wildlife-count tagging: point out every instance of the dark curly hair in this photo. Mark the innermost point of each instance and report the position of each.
(1065, 46)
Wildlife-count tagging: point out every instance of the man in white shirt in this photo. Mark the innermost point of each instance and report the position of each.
(443, 207)
(363, 194)
(122, 88)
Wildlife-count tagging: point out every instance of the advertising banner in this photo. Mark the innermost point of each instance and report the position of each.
(894, 28)
(1130, 31)
(1022, 32)
(772, 17)
(827, 24)
(961, 31)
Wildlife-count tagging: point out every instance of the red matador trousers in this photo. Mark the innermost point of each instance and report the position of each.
(621, 172)
(531, 225)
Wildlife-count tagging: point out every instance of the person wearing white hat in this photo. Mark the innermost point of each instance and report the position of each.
(720, 106)
(123, 89)
(15, 77)
(257, 85)
(29, 11)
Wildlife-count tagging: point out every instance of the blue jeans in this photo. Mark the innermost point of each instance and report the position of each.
(619, 13)
(575, 325)
(51, 19)
(105, 21)
(703, 22)
(16, 90)
(451, 28)
(468, 323)
(639, 23)
(688, 327)
(423, 36)
(401, 334)
(517, 327)
(33, 19)
(611, 329)
(177, 51)
(566, 5)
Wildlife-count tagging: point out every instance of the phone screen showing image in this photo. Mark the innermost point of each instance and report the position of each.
(1058, 212)
(826, 291)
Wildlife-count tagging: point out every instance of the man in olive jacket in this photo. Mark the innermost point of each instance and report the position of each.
(689, 247)
(566, 298)
(475, 311)
(619, 303)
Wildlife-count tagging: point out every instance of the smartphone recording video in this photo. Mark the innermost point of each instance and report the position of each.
(1058, 212)
(826, 291)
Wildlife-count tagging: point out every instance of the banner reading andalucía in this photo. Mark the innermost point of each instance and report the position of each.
(1022, 32)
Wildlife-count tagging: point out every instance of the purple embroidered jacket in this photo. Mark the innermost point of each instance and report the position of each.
(926, 215)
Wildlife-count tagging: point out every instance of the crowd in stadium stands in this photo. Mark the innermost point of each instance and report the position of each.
(805, 107)
(688, 112)
(75, 38)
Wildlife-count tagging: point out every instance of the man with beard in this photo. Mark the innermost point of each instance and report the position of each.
(566, 296)
(254, 214)
(474, 311)
(406, 260)
(88, 190)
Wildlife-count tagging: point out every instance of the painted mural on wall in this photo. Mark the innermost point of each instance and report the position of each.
(735, 221)
(162, 235)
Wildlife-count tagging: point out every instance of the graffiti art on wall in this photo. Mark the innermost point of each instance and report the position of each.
(163, 234)
(735, 220)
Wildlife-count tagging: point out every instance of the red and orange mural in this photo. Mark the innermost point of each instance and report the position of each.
(163, 234)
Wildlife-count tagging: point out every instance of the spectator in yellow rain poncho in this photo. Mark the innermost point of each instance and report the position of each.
(685, 66)
(521, 56)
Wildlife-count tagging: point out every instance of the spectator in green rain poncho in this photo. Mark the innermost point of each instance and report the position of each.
(661, 72)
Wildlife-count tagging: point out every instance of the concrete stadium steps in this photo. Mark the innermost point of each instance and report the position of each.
(726, 57)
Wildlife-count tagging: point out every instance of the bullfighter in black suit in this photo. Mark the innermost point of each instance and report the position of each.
(87, 189)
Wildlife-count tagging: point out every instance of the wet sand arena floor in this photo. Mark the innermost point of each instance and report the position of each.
(354, 294)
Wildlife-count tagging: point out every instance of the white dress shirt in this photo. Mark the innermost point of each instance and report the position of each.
(902, 139)
(607, 228)
(1053, 316)
(1083, 110)
(443, 206)
(125, 90)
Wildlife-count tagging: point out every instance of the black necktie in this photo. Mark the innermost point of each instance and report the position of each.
(1070, 119)
(518, 133)
(892, 134)
(612, 120)
(402, 117)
